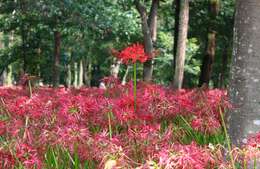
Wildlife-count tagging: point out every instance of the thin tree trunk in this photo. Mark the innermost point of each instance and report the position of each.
(89, 73)
(181, 46)
(176, 5)
(208, 60)
(76, 73)
(207, 63)
(152, 20)
(23, 5)
(80, 67)
(24, 50)
(68, 76)
(1, 47)
(87, 67)
(149, 29)
(125, 75)
(7, 74)
(57, 50)
(1, 40)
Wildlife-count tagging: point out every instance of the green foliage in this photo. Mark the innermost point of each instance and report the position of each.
(60, 158)
(191, 135)
(90, 28)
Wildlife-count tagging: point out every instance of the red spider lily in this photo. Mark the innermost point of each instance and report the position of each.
(132, 54)
(254, 140)
(186, 157)
(6, 160)
(2, 127)
(28, 156)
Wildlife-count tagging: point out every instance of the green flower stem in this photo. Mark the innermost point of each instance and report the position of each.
(110, 125)
(227, 139)
(135, 87)
(245, 162)
(255, 163)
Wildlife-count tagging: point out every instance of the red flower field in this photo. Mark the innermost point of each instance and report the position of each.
(97, 128)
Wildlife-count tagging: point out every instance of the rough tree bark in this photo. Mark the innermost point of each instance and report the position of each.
(57, 50)
(149, 29)
(244, 88)
(208, 60)
(181, 45)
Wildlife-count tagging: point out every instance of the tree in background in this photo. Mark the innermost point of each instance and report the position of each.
(89, 28)
(149, 29)
(181, 43)
(6, 77)
(208, 60)
(57, 53)
(7, 80)
(176, 7)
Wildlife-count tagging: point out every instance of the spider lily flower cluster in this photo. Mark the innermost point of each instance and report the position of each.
(132, 54)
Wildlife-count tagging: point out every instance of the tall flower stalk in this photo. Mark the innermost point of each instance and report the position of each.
(227, 139)
(109, 115)
(132, 54)
(135, 100)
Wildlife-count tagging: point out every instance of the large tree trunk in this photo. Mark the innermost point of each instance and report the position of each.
(181, 45)
(57, 50)
(149, 29)
(245, 72)
(208, 60)
(244, 91)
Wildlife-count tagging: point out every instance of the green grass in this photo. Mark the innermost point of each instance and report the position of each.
(191, 135)
(60, 158)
